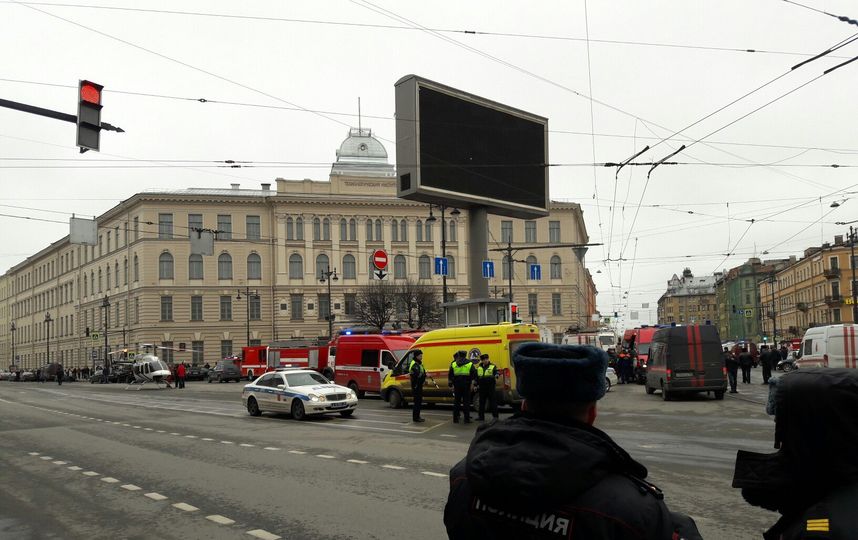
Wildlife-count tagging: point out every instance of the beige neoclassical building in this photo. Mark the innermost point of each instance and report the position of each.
(141, 284)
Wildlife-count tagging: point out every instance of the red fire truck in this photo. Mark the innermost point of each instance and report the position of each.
(299, 353)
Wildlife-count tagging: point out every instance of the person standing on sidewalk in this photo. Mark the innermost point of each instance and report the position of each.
(487, 374)
(745, 362)
(417, 373)
(180, 375)
(459, 377)
(732, 365)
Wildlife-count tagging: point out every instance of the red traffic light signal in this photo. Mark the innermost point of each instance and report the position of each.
(90, 92)
(89, 116)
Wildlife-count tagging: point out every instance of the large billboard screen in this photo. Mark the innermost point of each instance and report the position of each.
(459, 149)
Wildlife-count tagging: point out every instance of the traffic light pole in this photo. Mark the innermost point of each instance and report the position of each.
(56, 115)
(852, 264)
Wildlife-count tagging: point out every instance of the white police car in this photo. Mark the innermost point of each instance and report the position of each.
(301, 392)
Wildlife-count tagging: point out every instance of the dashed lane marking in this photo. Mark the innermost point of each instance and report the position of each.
(358, 461)
(46, 458)
(33, 453)
(264, 535)
(131, 487)
(271, 448)
(227, 442)
(394, 467)
(430, 473)
(447, 435)
(74, 468)
(185, 507)
(155, 496)
(221, 520)
(206, 439)
(246, 445)
(174, 433)
(91, 473)
(299, 452)
(58, 462)
(147, 429)
(110, 480)
(160, 431)
(190, 436)
(324, 456)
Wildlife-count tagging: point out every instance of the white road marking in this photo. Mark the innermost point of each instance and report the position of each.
(58, 462)
(358, 461)
(227, 442)
(206, 439)
(430, 473)
(185, 507)
(246, 445)
(174, 433)
(127, 425)
(271, 448)
(110, 480)
(130, 487)
(155, 496)
(264, 535)
(300, 453)
(147, 429)
(74, 468)
(136, 427)
(394, 467)
(190, 436)
(160, 431)
(324, 456)
(450, 436)
(90, 473)
(46, 458)
(220, 519)
(33, 453)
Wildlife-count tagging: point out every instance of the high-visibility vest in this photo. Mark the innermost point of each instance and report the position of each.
(411, 366)
(461, 371)
(488, 372)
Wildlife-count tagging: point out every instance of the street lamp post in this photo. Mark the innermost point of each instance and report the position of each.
(48, 321)
(431, 219)
(12, 330)
(852, 264)
(105, 305)
(326, 276)
(250, 295)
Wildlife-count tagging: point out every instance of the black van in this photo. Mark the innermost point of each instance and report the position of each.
(686, 359)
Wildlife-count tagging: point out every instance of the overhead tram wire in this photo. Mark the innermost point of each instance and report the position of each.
(841, 18)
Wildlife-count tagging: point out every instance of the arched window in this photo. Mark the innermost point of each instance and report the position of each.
(505, 268)
(403, 230)
(165, 266)
(125, 271)
(296, 266)
(556, 269)
(428, 235)
(326, 229)
(378, 235)
(322, 265)
(254, 266)
(419, 228)
(369, 230)
(394, 231)
(136, 269)
(290, 229)
(344, 229)
(424, 267)
(195, 267)
(299, 229)
(317, 229)
(399, 269)
(451, 267)
(352, 229)
(116, 274)
(224, 266)
(451, 237)
(349, 270)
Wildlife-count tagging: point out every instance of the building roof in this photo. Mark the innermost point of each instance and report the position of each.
(361, 154)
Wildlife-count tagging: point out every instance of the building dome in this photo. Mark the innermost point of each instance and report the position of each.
(361, 154)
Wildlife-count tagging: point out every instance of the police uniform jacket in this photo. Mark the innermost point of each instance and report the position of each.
(535, 478)
(461, 372)
(486, 376)
(417, 374)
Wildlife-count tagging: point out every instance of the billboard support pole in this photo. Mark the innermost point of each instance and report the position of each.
(478, 250)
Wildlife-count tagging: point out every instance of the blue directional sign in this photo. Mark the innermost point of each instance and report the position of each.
(488, 269)
(535, 272)
(441, 266)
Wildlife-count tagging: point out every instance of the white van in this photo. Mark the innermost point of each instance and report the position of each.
(828, 346)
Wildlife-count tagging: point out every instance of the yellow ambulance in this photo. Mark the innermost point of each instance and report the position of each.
(499, 341)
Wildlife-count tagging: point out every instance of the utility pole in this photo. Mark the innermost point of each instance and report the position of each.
(105, 305)
(249, 295)
(852, 264)
(12, 330)
(48, 321)
(326, 276)
(431, 219)
(774, 313)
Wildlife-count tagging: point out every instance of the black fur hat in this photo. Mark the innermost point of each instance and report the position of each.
(565, 373)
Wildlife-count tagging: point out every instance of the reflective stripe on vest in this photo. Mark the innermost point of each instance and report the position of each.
(411, 367)
(488, 372)
(463, 370)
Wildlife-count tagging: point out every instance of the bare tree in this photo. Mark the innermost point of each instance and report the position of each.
(428, 306)
(375, 304)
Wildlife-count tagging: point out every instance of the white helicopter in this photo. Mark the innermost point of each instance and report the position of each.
(146, 368)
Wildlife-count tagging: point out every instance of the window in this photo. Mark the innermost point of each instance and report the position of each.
(554, 232)
(107, 274)
(224, 266)
(326, 230)
(506, 231)
(226, 308)
(505, 269)
(195, 223)
(403, 230)
(451, 267)
(419, 228)
(324, 307)
(344, 230)
(353, 229)
(853, 261)
(165, 226)
(136, 228)
(378, 236)
(125, 271)
(297, 301)
(224, 227)
(394, 231)
(197, 356)
(399, 269)
(532, 304)
(116, 274)
(166, 308)
(85, 286)
(428, 235)
(556, 308)
(350, 300)
(196, 308)
(252, 227)
(255, 307)
(530, 231)
(369, 358)
(453, 232)
(531, 260)
(166, 352)
(369, 230)
(349, 267)
(299, 229)
(317, 229)
(165, 266)
(290, 229)
(136, 269)
(424, 267)
(556, 268)
(833, 263)
(225, 348)
(195, 267)
(296, 267)
(108, 241)
(136, 311)
(322, 265)
(254, 266)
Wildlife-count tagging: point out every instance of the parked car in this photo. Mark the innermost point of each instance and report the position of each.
(610, 377)
(28, 376)
(225, 371)
(196, 373)
(300, 392)
(788, 364)
(6, 376)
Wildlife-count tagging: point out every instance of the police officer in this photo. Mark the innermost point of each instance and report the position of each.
(487, 374)
(460, 376)
(418, 377)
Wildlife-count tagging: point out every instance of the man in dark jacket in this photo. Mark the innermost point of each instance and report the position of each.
(732, 365)
(547, 472)
(417, 374)
(769, 359)
(812, 480)
(460, 376)
(486, 379)
(745, 362)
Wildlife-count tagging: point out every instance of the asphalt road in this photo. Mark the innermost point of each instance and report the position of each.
(97, 461)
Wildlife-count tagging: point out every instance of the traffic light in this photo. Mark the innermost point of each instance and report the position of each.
(513, 313)
(87, 331)
(89, 116)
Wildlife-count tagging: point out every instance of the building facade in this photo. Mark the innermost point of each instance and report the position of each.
(813, 291)
(738, 297)
(142, 285)
(689, 300)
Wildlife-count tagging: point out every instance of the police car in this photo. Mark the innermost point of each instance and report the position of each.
(300, 392)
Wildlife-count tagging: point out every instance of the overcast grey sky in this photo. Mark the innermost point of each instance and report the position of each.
(654, 68)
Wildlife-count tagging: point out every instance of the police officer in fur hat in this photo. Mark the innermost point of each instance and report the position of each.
(548, 472)
(460, 375)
